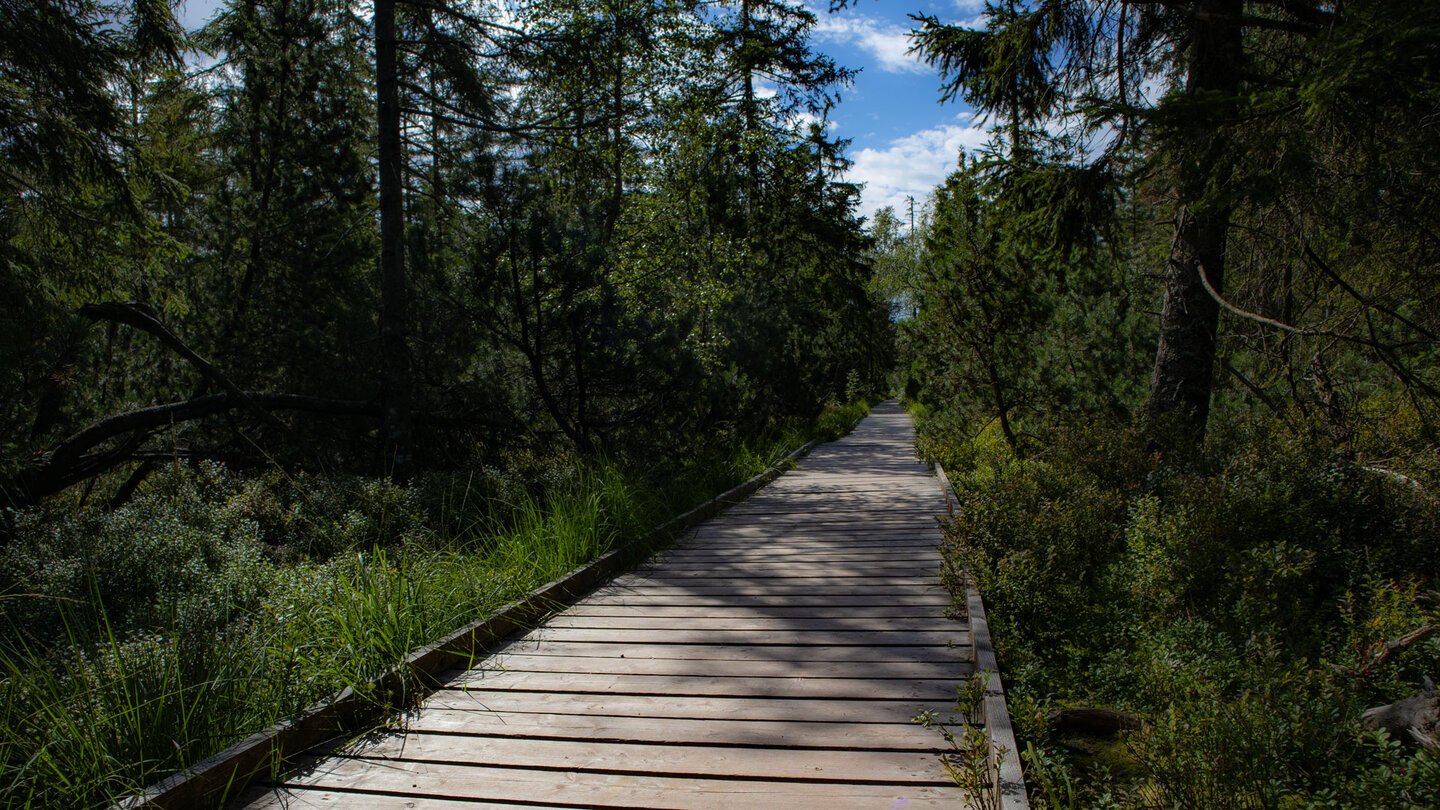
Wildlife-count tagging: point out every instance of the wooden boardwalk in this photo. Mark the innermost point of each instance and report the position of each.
(775, 659)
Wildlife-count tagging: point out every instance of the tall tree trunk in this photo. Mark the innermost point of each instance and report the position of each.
(1185, 355)
(749, 112)
(617, 127)
(397, 455)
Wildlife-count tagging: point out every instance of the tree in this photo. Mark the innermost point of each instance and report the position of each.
(284, 258)
(1105, 51)
(75, 190)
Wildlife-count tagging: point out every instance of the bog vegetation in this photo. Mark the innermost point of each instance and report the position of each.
(1174, 338)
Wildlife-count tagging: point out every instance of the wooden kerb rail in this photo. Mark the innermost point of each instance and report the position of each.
(213, 781)
(1004, 758)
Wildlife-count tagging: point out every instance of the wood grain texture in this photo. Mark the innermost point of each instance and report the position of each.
(392, 784)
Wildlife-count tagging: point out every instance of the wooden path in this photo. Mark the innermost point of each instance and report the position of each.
(773, 660)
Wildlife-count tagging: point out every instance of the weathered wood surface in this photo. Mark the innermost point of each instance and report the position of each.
(774, 659)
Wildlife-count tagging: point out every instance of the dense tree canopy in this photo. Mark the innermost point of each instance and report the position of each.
(1260, 135)
(419, 238)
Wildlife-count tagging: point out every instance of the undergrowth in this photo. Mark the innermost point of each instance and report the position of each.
(137, 641)
(1237, 601)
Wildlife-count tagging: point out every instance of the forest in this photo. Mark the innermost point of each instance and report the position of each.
(330, 326)
(1173, 336)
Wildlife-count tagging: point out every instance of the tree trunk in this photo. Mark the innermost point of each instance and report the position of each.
(1185, 355)
(397, 456)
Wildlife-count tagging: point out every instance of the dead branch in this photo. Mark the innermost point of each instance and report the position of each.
(142, 317)
(71, 461)
(1390, 649)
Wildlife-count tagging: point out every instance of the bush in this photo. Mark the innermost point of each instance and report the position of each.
(140, 640)
(1237, 599)
(836, 420)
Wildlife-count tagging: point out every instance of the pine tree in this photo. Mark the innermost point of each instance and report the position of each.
(1088, 59)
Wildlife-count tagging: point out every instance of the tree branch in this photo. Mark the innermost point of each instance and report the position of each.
(1344, 285)
(142, 317)
(68, 463)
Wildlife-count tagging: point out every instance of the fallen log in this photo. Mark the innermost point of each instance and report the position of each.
(72, 460)
(1087, 721)
(1413, 720)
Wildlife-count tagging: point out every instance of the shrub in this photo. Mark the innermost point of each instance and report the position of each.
(1237, 599)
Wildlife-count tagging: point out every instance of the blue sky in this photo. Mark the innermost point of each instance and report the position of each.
(902, 140)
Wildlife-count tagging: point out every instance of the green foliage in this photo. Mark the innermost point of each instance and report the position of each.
(138, 640)
(1237, 602)
(616, 258)
(1239, 594)
(1013, 317)
(968, 759)
(175, 619)
(837, 420)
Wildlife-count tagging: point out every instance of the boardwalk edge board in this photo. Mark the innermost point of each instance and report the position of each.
(215, 780)
(1005, 773)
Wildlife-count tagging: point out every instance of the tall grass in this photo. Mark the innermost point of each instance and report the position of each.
(137, 642)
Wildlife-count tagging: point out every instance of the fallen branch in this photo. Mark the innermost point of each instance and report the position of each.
(1392, 648)
(142, 317)
(71, 461)
(1400, 477)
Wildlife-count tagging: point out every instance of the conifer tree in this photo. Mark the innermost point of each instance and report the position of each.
(1089, 59)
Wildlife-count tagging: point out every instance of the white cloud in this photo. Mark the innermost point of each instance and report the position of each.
(886, 42)
(193, 14)
(971, 14)
(913, 165)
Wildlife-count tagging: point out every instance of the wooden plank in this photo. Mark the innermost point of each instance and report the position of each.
(552, 788)
(754, 624)
(917, 557)
(936, 600)
(833, 492)
(849, 597)
(754, 536)
(921, 559)
(902, 577)
(830, 688)
(909, 767)
(795, 588)
(895, 579)
(779, 610)
(816, 530)
(680, 635)
(887, 509)
(813, 491)
(838, 502)
(819, 534)
(694, 707)
(898, 736)
(825, 571)
(960, 651)
(820, 516)
(799, 566)
(699, 555)
(308, 799)
(842, 543)
(727, 668)
(730, 542)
